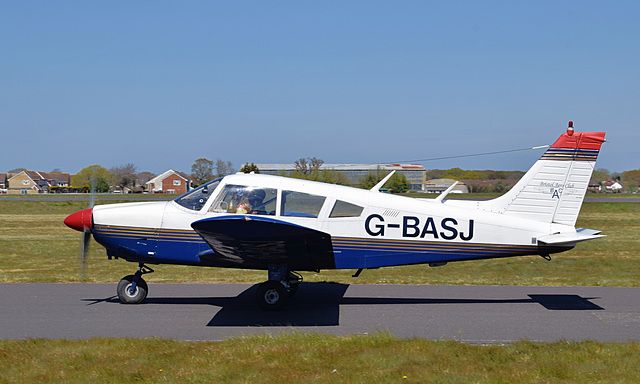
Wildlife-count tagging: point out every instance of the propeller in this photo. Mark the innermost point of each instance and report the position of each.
(84, 250)
(86, 229)
(83, 221)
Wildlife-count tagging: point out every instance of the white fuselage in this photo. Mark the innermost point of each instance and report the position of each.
(372, 229)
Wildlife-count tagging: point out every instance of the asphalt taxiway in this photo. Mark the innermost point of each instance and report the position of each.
(475, 314)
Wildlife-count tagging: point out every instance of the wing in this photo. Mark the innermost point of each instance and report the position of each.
(254, 242)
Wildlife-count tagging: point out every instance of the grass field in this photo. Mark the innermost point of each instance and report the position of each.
(35, 246)
(312, 358)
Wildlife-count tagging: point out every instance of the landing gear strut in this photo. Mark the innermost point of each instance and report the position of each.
(273, 294)
(132, 289)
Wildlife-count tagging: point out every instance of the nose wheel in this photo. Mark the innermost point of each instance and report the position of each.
(132, 289)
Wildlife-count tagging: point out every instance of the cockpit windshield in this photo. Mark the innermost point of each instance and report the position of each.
(196, 198)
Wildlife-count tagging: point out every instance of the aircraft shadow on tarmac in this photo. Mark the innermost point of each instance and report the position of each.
(318, 304)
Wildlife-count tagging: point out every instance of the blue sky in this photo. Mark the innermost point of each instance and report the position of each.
(160, 84)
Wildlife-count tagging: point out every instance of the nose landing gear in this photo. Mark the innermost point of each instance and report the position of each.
(132, 289)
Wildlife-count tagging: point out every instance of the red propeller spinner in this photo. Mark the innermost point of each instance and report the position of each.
(80, 221)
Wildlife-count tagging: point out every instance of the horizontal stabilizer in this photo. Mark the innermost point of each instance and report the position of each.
(581, 234)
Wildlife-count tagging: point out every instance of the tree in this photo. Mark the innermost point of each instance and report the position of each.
(102, 185)
(223, 168)
(248, 168)
(308, 166)
(16, 171)
(631, 187)
(477, 188)
(631, 180)
(124, 175)
(631, 176)
(202, 170)
(454, 173)
(334, 177)
(372, 178)
(500, 187)
(95, 174)
(398, 183)
(599, 175)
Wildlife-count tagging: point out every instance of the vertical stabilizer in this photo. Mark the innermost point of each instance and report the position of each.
(553, 189)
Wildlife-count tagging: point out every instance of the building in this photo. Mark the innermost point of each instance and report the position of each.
(415, 173)
(169, 182)
(441, 185)
(612, 186)
(594, 188)
(28, 182)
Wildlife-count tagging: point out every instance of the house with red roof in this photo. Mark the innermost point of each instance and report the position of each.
(28, 182)
(169, 182)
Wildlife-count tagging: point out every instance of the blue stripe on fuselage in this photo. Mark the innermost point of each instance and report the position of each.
(172, 246)
(351, 252)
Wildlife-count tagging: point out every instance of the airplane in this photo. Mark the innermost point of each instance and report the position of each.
(285, 225)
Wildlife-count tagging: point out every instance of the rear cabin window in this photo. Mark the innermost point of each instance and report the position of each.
(246, 200)
(301, 204)
(344, 209)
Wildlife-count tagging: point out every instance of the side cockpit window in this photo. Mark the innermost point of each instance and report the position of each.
(196, 198)
(301, 204)
(344, 209)
(243, 199)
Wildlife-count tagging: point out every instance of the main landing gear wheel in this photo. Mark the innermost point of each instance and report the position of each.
(129, 296)
(272, 295)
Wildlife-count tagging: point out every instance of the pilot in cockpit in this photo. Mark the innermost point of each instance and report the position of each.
(243, 206)
(255, 198)
(248, 201)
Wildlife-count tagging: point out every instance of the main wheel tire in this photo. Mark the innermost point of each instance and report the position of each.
(124, 290)
(272, 295)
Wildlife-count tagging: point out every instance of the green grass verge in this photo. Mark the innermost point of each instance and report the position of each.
(314, 358)
(35, 246)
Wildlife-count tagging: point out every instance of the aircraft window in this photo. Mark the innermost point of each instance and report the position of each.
(301, 204)
(344, 209)
(244, 199)
(196, 198)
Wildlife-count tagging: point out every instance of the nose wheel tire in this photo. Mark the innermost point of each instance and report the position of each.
(272, 295)
(126, 295)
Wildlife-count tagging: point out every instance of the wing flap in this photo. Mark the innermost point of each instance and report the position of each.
(255, 242)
